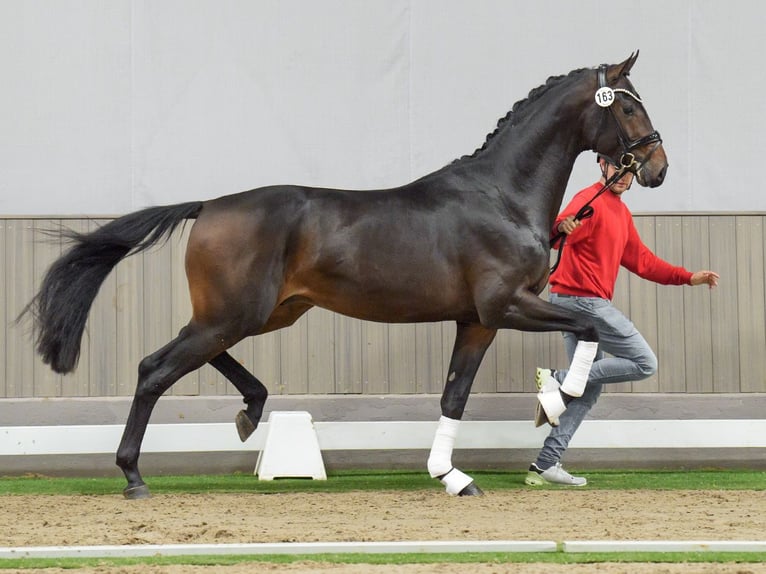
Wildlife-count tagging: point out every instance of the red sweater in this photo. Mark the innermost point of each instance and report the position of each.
(594, 252)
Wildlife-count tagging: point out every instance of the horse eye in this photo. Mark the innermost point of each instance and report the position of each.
(627, 110)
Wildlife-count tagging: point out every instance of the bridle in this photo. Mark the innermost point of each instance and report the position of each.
(627, 162)
(605, 99)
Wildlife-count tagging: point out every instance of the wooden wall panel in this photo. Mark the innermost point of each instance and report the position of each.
(402, 359)
(706, 341)
(267, 361)
(21, 361)
(724, 304)
(509, 363)
(294, 345)
(750, 313)
(353, 356)
(321, 351)
(698, 336)
(6, 277)
(374, 355)
(670, 309)
(431, 361)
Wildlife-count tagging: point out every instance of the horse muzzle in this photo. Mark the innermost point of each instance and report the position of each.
(647, 177)
(653, 168)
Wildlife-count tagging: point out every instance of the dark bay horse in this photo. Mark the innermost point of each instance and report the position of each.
(468, 243)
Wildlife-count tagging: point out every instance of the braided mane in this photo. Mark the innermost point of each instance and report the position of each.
(533, 95)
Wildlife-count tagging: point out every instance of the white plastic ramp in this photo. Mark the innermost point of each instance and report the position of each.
(291, 449)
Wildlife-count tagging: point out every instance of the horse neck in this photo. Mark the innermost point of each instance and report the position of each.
(534, 157)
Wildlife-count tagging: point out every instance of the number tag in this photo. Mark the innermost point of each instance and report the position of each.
(605, 97)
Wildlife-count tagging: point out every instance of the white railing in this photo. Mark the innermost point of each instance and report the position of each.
(220, 437)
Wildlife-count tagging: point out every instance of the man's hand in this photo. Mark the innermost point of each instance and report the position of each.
(568, 225)
(709, 278)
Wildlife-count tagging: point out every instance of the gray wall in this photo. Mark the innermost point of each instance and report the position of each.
(111, 106)
(707, 342)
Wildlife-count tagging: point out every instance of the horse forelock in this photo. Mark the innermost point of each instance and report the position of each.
(534, 95)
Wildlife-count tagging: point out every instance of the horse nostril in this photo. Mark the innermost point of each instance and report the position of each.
(661, 175)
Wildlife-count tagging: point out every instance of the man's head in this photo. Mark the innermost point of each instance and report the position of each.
(608, 169)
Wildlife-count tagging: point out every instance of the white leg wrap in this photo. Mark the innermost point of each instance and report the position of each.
(553, 405)
(455, 481)
(577, 376)
(440, 459)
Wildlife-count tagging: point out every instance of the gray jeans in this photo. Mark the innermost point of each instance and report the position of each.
(631, 360)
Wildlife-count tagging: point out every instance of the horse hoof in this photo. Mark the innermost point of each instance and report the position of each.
(245, 426)
(552, 404)
(540, 417)
(137, 492)
(471, 490)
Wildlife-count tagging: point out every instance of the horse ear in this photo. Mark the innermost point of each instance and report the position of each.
(622, 69)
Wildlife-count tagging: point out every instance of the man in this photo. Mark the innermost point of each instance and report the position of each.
(584, 282)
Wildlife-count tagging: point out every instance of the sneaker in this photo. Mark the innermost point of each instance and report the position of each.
(553, 475)
(545, 382)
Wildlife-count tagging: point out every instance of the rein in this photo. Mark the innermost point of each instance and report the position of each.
(585, 212)
(628, 162)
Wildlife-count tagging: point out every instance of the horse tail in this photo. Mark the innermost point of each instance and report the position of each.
(60, 308)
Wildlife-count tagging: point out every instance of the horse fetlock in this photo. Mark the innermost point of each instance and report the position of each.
(438, 466)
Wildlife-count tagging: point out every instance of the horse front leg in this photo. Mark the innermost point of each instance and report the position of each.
(471, 343)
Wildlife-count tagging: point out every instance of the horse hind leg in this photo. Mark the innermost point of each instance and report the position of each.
(192, 348)
(252, 390)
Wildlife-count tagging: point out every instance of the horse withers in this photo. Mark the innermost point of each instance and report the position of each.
(467, 243)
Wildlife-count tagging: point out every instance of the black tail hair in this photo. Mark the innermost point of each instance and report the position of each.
(60, 308)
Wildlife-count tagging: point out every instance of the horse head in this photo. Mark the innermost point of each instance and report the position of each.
(622, 130)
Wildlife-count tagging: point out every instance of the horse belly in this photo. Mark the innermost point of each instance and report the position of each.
(409, 299)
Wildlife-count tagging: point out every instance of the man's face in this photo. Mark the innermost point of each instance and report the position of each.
(622, 184)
